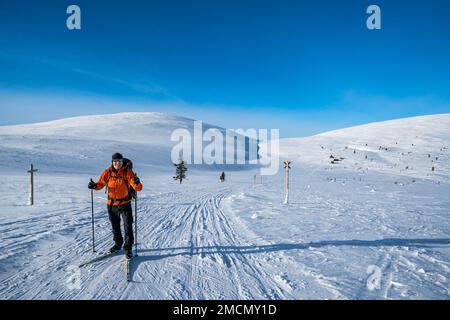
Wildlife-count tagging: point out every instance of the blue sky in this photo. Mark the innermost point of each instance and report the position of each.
(301, 66)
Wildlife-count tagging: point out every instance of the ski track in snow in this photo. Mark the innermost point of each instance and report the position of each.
(198, 247)
(191, 252)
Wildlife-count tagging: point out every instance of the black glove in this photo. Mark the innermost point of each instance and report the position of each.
(92, 185)
(136, 180)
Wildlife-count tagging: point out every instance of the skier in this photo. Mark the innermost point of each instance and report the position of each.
(222, 177)
(119, 179)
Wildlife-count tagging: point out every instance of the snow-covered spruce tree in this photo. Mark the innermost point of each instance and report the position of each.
(180, 171)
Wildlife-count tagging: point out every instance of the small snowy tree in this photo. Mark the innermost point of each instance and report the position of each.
(180, 171)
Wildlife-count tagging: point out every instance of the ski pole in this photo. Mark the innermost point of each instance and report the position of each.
(92, 206)
(135, 223)
(135, 226)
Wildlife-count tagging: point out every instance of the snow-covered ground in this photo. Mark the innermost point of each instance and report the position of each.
(361, 228)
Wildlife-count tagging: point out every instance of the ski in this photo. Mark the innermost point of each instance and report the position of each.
(128, 269)
(99, 258)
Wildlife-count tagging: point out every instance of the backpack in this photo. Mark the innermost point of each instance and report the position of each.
(127, 165)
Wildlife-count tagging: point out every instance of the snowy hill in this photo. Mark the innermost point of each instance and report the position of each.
(404, 147)
(357, 228)
(145, 127)
(82, 144)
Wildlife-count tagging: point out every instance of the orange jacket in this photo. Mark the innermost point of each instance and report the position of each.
(118, 183)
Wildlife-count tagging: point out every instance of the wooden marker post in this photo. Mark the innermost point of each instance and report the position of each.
(31, 172)
(287, 167)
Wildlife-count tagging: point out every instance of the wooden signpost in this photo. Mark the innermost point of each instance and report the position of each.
(287, 167)
(31, 172)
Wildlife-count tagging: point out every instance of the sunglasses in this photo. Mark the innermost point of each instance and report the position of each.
(119, 161)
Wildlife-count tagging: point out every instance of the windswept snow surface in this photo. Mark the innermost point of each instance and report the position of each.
(375, 228)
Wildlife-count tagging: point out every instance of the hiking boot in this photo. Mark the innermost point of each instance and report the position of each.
(115, 248)
(128, 253)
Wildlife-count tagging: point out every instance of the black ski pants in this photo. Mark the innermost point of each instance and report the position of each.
(126, 213)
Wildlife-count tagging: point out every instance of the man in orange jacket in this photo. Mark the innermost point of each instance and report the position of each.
(118, 179)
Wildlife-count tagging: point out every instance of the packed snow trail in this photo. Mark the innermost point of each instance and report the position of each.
(195, 242)
(188, 249)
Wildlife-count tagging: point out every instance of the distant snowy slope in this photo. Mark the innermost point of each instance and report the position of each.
(83, 143)
(140, 127)
(408, 147)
